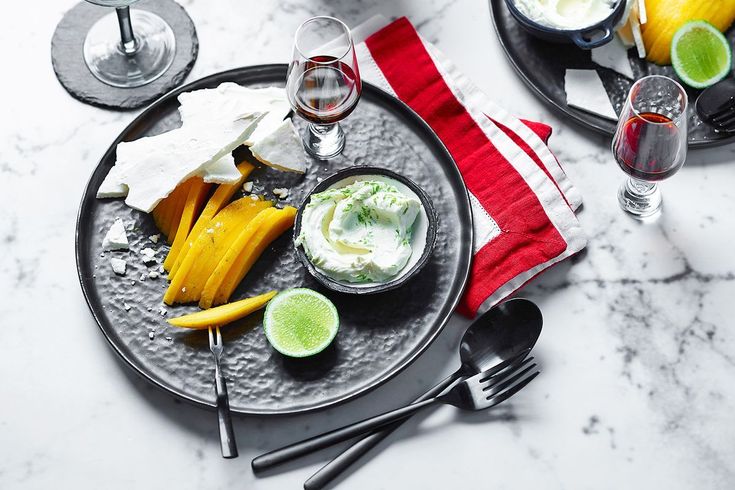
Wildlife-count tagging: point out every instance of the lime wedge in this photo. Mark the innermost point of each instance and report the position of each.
(700, 54)
(300, 322)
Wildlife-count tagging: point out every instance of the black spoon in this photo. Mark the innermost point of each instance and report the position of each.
(500, 334)
(716, 106)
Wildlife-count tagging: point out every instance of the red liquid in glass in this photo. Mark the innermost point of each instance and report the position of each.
(646, 151)
(326, 93)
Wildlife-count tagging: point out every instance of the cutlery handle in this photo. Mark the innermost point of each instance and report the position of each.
(334, 468)
(226, 434)
(297, 449)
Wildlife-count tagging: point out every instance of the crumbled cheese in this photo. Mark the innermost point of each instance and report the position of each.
(149, 255)
(183, 290)
(151, 334)
(248, 186)
(281, 192)
(116, 238)
(162, 312)
(254, 197)
(126, 306)
(118, 266)
(161, 269)
(132, 283)
(210, 231)
(155, 238)
(613, 55)
(142, 276)
(585, 91)
(154, 275)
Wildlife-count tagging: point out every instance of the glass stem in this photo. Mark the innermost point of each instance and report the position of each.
(128, 43)
(641, 187)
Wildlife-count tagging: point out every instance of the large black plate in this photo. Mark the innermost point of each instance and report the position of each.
(541, 65)
(379, 335)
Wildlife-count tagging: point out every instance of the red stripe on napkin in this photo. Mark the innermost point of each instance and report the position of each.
(544, 132)
(528, 238)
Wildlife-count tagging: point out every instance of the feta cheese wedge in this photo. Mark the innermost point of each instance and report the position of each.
(232, 100)
(152, 167)
(613, 55)
(222, 171)
(282, 149)
(116, 238)
(585, 91)
(112, 186)
(118, 266)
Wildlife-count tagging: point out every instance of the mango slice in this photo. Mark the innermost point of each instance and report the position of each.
(198, 192)
(219, 199)
(209, 248)
(242, 254)
(224, 314)
(173, 213)
(665, 17)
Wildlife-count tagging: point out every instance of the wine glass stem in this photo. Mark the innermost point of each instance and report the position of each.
(128, 43)
(641, 187)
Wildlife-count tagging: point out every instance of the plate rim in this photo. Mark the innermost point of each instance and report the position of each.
(565, 109)
(91, 296)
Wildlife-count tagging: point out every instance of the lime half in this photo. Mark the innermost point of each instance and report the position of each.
(300, 322)
(700, 54)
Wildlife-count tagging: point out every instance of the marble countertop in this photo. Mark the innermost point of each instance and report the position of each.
(638, 347)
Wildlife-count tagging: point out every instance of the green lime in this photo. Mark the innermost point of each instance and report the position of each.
(300, 322)
(700, 54)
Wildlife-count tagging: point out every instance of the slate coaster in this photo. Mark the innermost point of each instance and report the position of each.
(67, 56)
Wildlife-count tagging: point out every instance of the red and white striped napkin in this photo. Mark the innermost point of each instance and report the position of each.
(522, 201)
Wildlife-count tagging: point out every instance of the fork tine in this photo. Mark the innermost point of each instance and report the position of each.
(501, 397)
(489, 381)
(219, 336)
(506, 382)
(508, 363)
(211, 338)
(725, 121)
(724, 112)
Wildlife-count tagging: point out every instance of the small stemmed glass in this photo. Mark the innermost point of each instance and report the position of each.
(650, 143)
(323, 82)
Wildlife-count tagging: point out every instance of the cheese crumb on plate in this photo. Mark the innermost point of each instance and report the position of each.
(585, 91)
(116, 238)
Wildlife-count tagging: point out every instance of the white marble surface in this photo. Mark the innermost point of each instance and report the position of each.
(638, 347)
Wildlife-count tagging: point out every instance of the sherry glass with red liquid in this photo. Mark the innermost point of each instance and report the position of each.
(323, 82)
(650, 143)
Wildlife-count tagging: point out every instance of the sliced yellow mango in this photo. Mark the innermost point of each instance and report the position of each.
(173, 215)
(209, 247)
(243, 253)
(224, 314)
(219, 199)
(159, 212)
(198, 192)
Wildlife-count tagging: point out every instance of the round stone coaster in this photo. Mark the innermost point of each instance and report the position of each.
(67, 56)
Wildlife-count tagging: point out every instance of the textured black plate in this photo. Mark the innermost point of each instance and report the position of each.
(379, 334)
(542, 64)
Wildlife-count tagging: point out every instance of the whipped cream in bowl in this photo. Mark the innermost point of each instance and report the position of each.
(586, 23)
(365, 230)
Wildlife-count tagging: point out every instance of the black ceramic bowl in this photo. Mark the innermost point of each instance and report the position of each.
(426, 220)
(588, 37)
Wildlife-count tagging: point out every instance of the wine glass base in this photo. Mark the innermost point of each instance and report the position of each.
(324, 141)
(640, 199)
(147, 60)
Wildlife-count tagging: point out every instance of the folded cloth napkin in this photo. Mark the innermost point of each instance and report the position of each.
(522, 201)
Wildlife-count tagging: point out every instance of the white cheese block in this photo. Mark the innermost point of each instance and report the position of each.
(231, 99)
(116, 238)
(282, 149)
(152, 167)
(613, 55)
(118, 266)
(221, 171)
(585, 91)
(112, 186)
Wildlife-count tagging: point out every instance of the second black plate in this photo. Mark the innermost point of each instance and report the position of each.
(541, 65)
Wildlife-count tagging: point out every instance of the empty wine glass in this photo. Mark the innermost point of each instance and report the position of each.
(650, 143)
(323, 82)
(141, 53)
